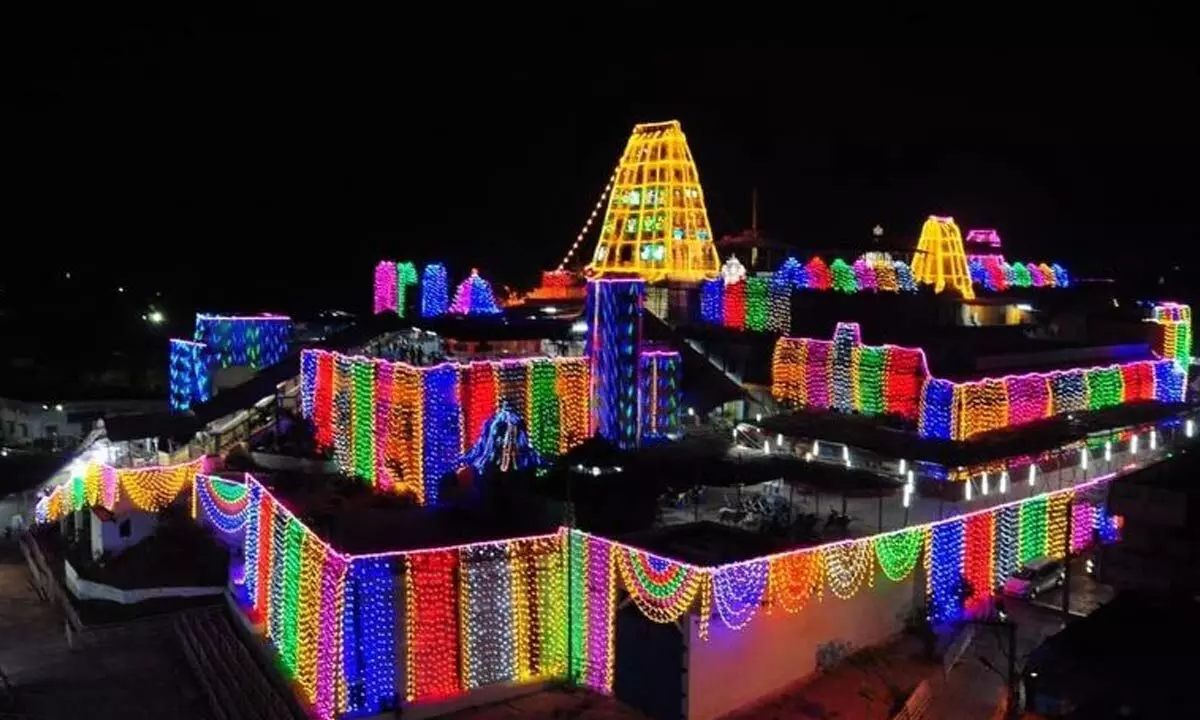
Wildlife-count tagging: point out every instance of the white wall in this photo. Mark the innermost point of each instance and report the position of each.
(107, 535)
(735, 668)
(88, 590)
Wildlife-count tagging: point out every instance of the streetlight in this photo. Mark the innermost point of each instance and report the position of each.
(155, 317)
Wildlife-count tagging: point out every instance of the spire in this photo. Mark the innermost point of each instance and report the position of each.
(656, 225)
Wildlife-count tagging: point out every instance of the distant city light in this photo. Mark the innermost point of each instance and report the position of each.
(58, 407)
(156, 317)
(120, 289)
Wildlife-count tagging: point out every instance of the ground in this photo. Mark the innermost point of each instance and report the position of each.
(120, 675)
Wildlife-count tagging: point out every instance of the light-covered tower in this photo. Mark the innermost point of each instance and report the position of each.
(940, 260)
(656, 225)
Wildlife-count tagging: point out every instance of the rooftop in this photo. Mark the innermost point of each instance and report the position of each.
(892, 438)
(705, 543)
(354, 520)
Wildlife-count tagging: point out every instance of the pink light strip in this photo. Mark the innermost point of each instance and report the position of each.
(264, 316)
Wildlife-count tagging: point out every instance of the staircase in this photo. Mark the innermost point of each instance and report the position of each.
(234, 684)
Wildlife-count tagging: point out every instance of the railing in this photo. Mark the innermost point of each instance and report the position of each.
(234, 685)
(47, 585)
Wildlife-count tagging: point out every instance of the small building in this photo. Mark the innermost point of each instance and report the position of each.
(111, 533)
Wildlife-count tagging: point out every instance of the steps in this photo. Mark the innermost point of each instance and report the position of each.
(235, 686)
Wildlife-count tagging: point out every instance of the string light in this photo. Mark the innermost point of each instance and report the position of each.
(435, 291)
(400, 429)
(431, 623)
(847, 565)
(587, 225)
(739, 592)
(236, 341)
(898, 553)
(978, 564)
(662, 589)
(614, 312)
(845, 375)
(945, 559)
(796, 578)
(474, 297)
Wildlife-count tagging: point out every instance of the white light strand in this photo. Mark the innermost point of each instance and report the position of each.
(587, 225)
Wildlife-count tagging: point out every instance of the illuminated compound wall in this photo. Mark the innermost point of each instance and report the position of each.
(256, 341)
(402, 428)
(847, 376)
(535, 608)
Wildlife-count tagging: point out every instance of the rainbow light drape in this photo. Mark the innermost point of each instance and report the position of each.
(764, 304)
(994, 273)
(222, 504)
(845, 375)
(114, 489)
(402, 428)
(295, 584)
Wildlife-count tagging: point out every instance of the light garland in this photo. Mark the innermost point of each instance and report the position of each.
(847, 565)
(225, 504)
(739, 591)
(898, 553)
(662, 589)
(796, 578)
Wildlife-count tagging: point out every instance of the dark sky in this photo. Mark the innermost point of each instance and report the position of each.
(262, 163)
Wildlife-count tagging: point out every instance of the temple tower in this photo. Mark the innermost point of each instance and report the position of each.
(940, 260)
(656, 225)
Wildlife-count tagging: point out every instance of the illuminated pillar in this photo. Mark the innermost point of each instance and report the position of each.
(614, 338)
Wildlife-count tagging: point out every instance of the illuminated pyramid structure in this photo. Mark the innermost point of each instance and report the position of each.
(940, 260)
(656, 226)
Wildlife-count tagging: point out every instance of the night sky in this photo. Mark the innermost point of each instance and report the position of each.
(260, 164)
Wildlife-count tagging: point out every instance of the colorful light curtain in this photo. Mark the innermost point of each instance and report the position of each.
(255, 341)
(402, 428)
(845, 375)
(764, 304)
